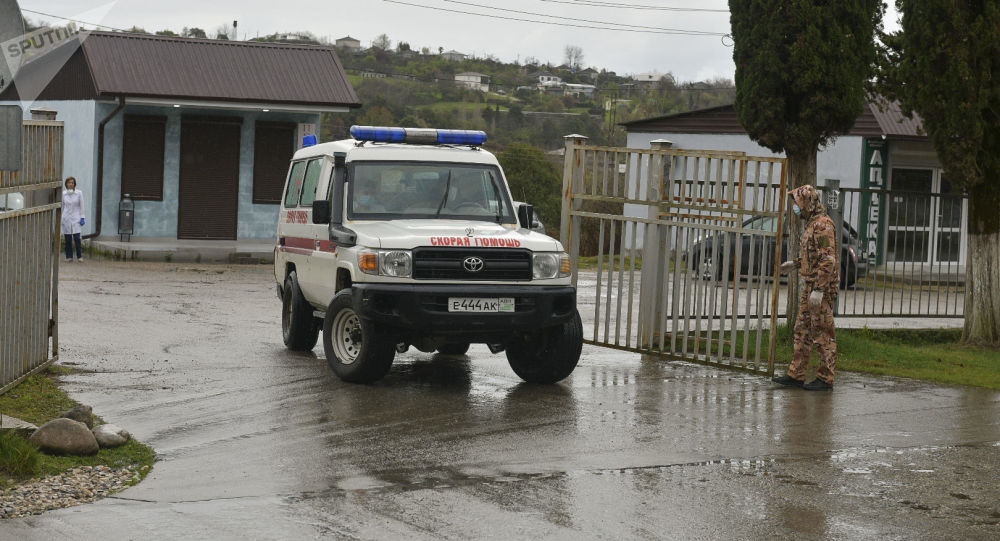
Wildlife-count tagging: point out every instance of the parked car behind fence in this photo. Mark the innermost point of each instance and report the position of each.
(853, 263)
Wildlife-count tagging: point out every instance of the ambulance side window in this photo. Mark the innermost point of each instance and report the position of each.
(294, 184)
(311, 180)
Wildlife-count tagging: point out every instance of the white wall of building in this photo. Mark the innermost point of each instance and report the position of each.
(840, 160)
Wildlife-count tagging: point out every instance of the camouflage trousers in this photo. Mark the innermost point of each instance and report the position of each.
(815, 326)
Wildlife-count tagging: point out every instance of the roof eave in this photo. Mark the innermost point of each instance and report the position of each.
(220, 103)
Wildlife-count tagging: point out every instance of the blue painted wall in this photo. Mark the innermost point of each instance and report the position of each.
(79, 144)
(159, 218)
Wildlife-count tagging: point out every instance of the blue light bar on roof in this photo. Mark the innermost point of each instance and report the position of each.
(378, 133)
(308, 140)
(461, 137)
(382, 134)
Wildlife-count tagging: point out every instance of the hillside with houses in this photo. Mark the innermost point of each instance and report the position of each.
(528, 102)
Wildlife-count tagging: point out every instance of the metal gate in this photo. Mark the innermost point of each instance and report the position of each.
(905, 254)
(29, 251)
(684, 248)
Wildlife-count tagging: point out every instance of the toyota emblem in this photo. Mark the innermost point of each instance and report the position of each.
(473, 264)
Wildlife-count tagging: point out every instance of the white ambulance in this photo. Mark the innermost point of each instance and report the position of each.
(406, 237)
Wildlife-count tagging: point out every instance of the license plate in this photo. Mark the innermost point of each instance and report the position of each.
(480, 304)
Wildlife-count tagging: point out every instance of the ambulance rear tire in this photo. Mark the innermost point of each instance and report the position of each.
(299, 329)
(454, 348)
(548, 355)
(355, 351)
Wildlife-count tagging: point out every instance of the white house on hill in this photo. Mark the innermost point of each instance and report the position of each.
(473, 80)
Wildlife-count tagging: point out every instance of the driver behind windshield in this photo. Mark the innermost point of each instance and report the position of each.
(468, 189)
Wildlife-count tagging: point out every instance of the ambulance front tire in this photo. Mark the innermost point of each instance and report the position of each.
(299, 329)
(548, 355)
(355, 350)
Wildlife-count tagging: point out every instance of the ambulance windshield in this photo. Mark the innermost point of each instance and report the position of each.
(401, 190)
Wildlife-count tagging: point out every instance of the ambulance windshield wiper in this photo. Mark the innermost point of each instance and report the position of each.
(447, 187)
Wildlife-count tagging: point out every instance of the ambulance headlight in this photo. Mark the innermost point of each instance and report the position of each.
(398, 263)
(550, 265)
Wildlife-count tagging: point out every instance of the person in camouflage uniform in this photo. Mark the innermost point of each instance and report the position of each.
(819, 268)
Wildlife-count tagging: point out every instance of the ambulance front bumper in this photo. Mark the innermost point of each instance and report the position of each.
(425, 308)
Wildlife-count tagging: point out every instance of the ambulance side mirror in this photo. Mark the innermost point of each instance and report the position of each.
(525, 215)
(321, 211)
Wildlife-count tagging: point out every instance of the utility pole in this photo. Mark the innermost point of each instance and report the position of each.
(613, 114)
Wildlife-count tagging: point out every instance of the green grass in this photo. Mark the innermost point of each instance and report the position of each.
(927, 354)
(39, 400)
(133, 453)
(589, 263)
(932, 355)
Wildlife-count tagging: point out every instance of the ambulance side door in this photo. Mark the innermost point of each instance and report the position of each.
(295, 220)
(316, 278)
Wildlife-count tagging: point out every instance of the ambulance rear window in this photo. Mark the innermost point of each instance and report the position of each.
(294, 184)
(309, 185)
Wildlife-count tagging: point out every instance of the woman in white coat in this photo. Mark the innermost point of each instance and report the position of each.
(72, 219)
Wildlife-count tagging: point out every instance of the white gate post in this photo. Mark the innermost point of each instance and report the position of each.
(569, 227)
(654, 249)
(834, 201)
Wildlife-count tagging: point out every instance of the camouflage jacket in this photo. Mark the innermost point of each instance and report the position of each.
(818, 261)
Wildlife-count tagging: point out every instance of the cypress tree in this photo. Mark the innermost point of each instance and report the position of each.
(801, 71)
(945, 65)
(802, 67)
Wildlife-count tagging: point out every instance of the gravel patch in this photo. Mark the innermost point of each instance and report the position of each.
(79, 485)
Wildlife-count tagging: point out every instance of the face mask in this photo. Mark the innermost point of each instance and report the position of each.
(796, 210)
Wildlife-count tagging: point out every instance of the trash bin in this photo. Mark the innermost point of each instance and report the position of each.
(126, 218)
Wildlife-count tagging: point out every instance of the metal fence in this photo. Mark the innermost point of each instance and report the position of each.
(684, 252)
(29, 248)
(902, 252)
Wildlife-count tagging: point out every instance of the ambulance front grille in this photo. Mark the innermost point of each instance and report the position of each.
(500, 264)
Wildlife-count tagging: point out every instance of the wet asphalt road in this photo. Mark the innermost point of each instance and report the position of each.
(256, 442)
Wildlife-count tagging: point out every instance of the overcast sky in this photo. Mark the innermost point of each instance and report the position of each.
(646, 40)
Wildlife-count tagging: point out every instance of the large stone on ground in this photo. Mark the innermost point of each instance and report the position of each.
(84, 414)
(64, 436)
(16, 426)
(110, 436)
